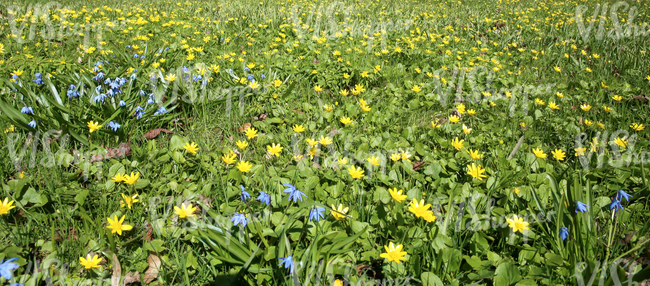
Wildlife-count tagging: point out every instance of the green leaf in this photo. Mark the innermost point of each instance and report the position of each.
(430, 279)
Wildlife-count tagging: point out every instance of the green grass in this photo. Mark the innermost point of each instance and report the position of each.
(474, 53)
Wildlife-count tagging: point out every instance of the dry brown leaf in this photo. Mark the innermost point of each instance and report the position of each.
(154, 267)
(244, 127)
(154, 133)
(117, 272)
(131, 278)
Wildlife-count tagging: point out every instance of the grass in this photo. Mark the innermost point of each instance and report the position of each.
(497, 65)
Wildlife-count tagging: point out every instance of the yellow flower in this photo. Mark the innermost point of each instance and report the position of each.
(395, 157)
(275, 149)
(324, 140)
(311, 142)
(559, 94)
(251, 133)
(242, 144)
(558, 154)
(346, 120)
(170, 77)
(355, 172)
(552, 105)
(476, 172)
(419, 209)
(416, 88)
(131, 179)
(607, 109)
(454, 119)
(345, 92)
(365, 108)
(466, 130)
(254, 85)
(471, 112)
(191, 148)
(394, 253)
(343, 161)
(516, 190)
(461, 108)
(93, 126)
(617, 97)
(585, 107)
(637, 127)
(474, 154)
(10, 129)
(539, 101)
(557, 69)
(338, 282)
(184, 212)
(397, 195)
(298, 128)
(621, 142)
(116, 225)
(244, 166)
(277, 83)
(128, 201)
(6, 206)
(458, 144)
(118, 178)
(90, 262)
(339, 213)
(229, 159)
(405, 156)
(318, 88)
(588, 122)
(603, 85)
(373, 161)
(434, 125)
(429, 217)
(327, 107)
(518, 224)
(539, 153)
(580, 151)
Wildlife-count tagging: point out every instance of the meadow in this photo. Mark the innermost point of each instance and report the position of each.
(431, 142)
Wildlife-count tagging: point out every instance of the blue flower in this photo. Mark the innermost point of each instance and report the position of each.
(128, 46)
(107, 81)
(27, 110)
(185, 69)
(622, 194)
(113, 125)
(263, 76)
(142, 92)
(38, 75)
(247, 69)
(316, 214)
(99, 76)
(238, 219)
(160, 111)
(136, 55)
(98, 89)
(288, 263)
(133, 76)
(564, 233)
(139, 111)
(265, 198)
(244, 195)
(250, 77)
(582, 207)
(32, 124)
(99, 98)
(615, 204)
(6, 268)
(122, 103)
(295, 194)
